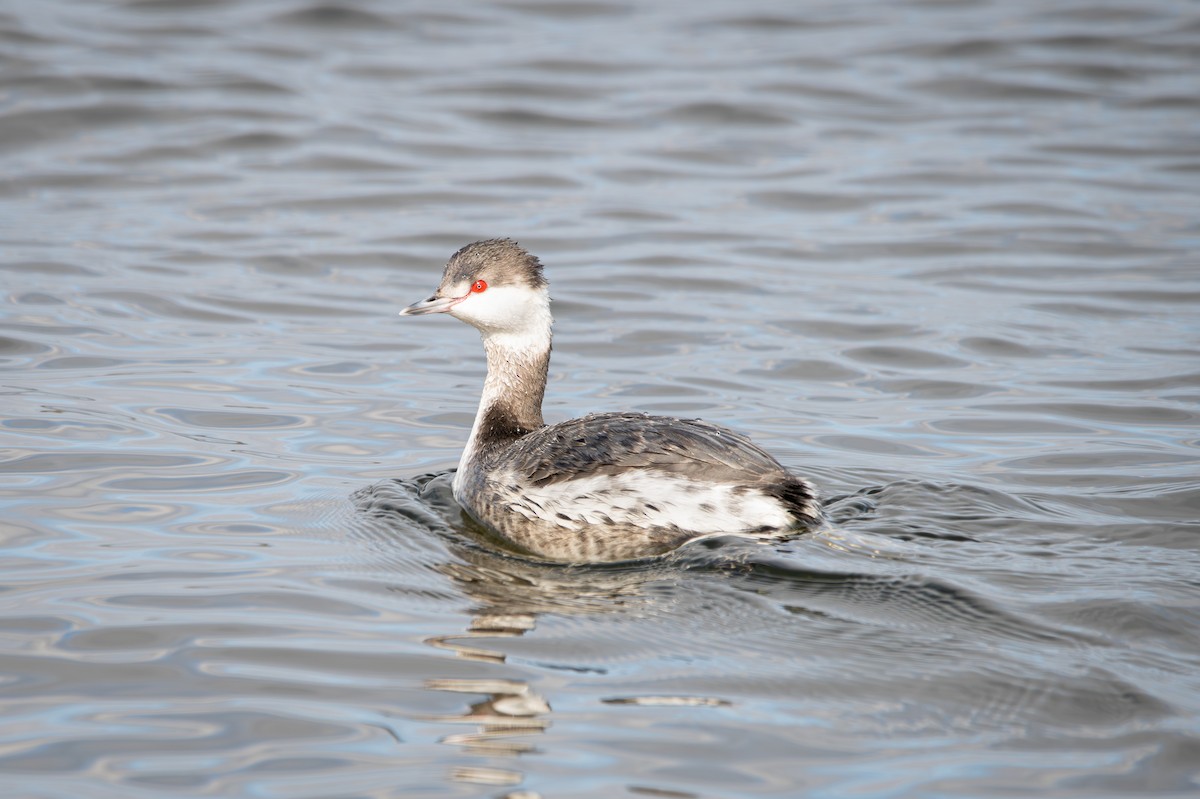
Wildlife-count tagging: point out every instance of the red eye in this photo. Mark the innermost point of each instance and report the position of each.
(479, 286)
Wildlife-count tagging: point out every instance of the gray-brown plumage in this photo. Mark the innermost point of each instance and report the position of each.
(604, 487)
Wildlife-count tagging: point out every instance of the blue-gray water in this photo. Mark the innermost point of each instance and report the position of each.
(941, 257)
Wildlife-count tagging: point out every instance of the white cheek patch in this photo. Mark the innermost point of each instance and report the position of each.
(502, 309)
(649, 500)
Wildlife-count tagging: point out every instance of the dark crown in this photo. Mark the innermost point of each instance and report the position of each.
(498, 261)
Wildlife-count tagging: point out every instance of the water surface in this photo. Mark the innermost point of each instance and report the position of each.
(939, 257)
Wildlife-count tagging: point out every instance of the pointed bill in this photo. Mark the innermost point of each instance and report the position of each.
(434, 304)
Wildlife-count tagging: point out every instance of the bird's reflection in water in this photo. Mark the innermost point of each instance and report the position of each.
(512, 712)
(508, 595)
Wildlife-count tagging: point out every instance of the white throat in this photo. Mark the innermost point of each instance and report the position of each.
(518, 352)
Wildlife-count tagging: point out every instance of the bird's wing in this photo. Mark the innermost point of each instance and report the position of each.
(608, 443)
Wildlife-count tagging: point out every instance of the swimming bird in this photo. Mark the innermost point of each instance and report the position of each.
(607, 486)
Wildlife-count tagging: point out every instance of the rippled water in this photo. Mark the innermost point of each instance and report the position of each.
(939, 256)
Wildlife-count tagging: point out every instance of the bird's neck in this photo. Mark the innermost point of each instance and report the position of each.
(511, 404)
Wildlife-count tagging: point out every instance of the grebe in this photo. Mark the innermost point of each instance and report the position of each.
(608, 486)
